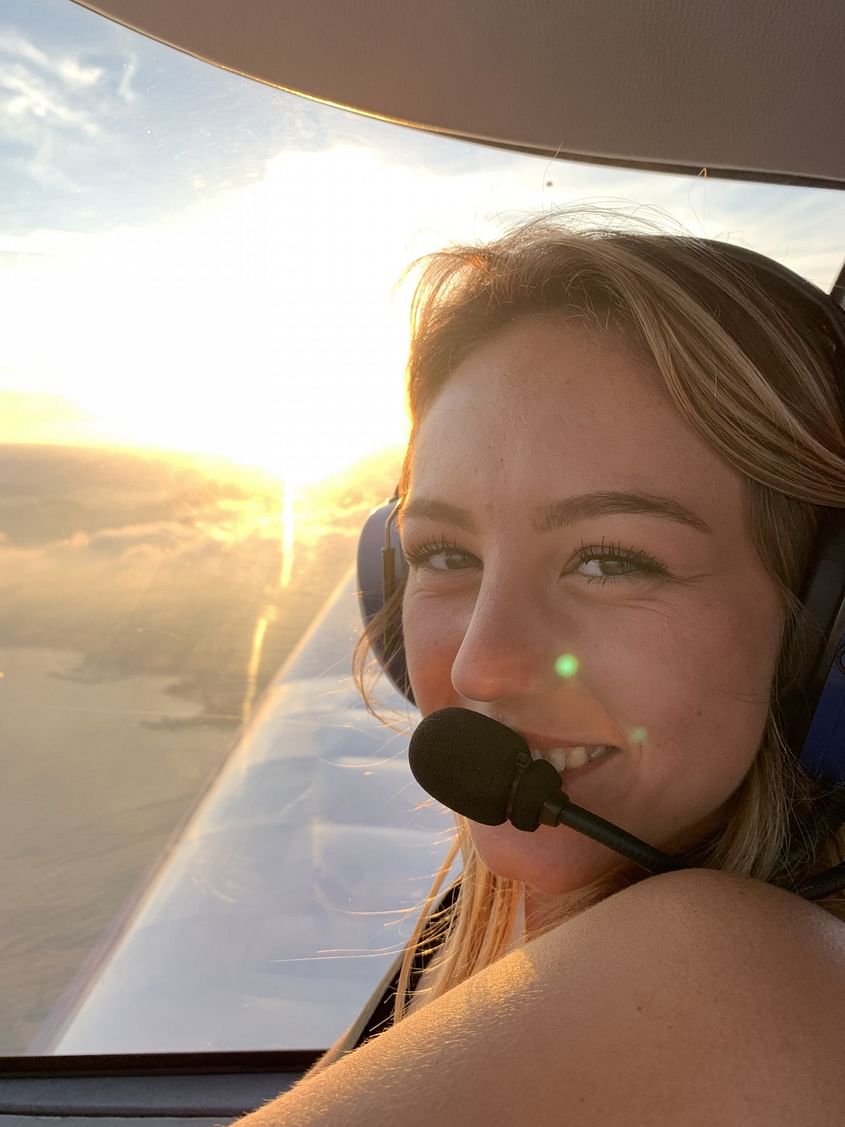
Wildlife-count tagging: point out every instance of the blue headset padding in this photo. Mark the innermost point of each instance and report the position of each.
(823, 754)
(371, 595)
(807, 711)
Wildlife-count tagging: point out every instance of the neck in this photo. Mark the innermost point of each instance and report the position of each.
(545, 910)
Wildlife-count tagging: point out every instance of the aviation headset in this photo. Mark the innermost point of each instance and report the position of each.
(814, 713)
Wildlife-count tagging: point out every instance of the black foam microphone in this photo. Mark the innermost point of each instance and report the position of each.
(483, 770)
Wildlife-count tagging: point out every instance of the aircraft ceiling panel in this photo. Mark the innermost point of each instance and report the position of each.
(724, 86)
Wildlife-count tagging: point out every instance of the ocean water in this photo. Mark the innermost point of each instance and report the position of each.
(96, 781)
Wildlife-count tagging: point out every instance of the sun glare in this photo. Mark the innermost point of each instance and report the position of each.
(266, 329)
(265, 326)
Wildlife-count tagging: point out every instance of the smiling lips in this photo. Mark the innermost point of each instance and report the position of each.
(568, 758)
(564, 754)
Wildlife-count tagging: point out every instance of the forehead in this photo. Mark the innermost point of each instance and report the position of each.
(554, 408)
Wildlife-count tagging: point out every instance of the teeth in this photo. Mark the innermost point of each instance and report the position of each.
(571, 757)
(598, 752)
(557, 757)
(576, 756)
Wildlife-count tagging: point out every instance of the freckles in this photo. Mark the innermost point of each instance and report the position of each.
(712, 656)
(431, 643)
(667, 690)
(644, 673)
(741, 662)
(424, 622)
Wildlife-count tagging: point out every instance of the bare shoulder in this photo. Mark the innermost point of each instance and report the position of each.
(692, 999)
(745, 921)
(739, 982)
(735, 937)
(692, 901)
(713, 994)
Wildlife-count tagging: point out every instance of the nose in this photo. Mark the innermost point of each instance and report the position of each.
(511, 647)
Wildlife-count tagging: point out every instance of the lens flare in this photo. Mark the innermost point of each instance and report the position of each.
(639, 735)
(566, 665)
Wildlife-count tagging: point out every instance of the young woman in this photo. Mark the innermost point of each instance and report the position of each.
(623, 450)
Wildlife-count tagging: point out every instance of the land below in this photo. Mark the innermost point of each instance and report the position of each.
(145, 604)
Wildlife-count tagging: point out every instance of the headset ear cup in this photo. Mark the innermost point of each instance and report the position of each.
(379, 555)
(813, 713)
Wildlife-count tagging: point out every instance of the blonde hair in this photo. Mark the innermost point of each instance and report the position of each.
(750, 372)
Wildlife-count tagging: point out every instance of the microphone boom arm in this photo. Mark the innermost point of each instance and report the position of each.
(559, 810)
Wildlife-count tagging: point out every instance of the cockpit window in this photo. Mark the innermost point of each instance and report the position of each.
(207, 842)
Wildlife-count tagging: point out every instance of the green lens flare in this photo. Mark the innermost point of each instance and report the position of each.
(638, 735)
(566, 665)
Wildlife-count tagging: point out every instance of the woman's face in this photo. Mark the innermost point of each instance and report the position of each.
(582, 570)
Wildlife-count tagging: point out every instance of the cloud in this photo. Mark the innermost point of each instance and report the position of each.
(78, 76)
(124, 89)
(17, 46)
(53, 106)
(28, 97)
(161, 537)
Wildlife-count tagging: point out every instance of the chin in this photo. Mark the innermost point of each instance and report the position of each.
(552, 861)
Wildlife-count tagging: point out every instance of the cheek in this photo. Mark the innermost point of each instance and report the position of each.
(699, 686)
(432, 640)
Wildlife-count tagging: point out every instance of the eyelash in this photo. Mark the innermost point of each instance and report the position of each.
(420, 554)
(647, 565)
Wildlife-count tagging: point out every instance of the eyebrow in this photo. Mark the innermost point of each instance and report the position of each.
(560, 514)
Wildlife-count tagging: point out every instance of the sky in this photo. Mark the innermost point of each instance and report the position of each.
(192, 261)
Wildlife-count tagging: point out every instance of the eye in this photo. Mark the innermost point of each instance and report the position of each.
(439, 555)
(609, 563)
